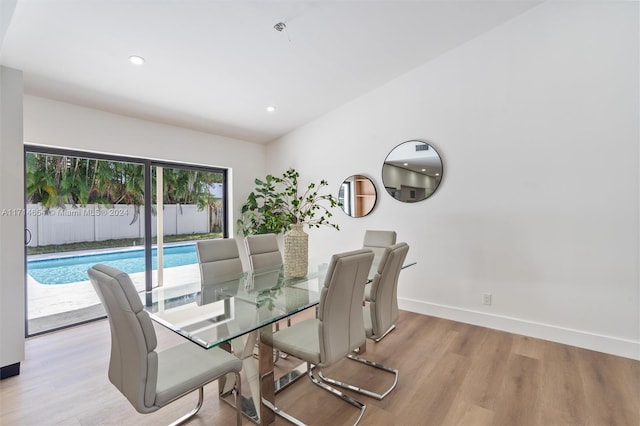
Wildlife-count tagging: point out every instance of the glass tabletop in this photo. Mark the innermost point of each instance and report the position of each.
(212, 313)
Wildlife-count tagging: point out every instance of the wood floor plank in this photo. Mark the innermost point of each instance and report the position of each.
(562, 392)
(450, 374)
(463, 413)
(611, 387)
(430, 405)
(483, 384)
(467, 339)
(520, 392)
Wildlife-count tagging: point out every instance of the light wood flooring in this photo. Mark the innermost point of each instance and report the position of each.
(450, 374)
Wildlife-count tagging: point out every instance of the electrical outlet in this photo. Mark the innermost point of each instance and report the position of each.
(486, 298)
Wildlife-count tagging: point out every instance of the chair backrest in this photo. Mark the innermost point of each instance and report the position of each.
(133, 366)
(378, 240)
(341, 325)
(218, 258)
(263, 251)
(384, 288)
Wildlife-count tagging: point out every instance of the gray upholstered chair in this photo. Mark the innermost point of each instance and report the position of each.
(339, 328)
(263, 251)
(218, 258)
(147, 378)
(378, 240)
(381, 314)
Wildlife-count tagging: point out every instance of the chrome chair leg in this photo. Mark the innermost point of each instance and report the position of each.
(336, 392)
(393, 327)
(366, 392)
(283, 414)
(362, 407)
(238, 399)
(237, 403)
(193, 412)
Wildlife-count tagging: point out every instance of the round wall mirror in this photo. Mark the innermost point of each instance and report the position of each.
(412, 171)
(357, 195)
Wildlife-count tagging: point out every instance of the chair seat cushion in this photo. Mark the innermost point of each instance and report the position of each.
(187, 367)
(299, 340)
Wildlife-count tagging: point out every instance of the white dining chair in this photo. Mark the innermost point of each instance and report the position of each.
(378, 240)
(218, 258)
(339, 327)
(220, 266)
(151, 379)
(263, 251)
(381, 313)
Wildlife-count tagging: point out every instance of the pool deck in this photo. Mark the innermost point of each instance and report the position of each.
(44, 300)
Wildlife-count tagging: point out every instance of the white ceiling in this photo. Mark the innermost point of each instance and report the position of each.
(215, 65)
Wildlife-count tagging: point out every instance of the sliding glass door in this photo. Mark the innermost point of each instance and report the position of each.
(83, 209)
(191, 208)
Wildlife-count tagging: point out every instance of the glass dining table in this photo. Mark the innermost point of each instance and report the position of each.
(232, 313)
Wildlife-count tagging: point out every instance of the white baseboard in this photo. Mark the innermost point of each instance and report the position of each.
(567, 336)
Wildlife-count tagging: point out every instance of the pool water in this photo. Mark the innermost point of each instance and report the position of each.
(71, 269)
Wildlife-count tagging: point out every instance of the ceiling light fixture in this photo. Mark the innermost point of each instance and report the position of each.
(280, 27)
(405, 164)
(424, 170)
(270, 108)
(136, 60)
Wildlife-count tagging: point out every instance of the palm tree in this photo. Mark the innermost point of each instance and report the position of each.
(185, 186)
(54, 180)
(48, 180)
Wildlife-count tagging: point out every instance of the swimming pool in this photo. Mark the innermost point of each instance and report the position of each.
(71, 269)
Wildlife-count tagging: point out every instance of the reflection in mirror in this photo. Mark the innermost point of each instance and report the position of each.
(357, 195)
(412, 171)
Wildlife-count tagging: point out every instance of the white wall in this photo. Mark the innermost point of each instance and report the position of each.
(12, 274)
(537, 124)
(59, 124)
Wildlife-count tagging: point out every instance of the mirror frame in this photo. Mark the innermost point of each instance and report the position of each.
(365, 195)
(425, 168)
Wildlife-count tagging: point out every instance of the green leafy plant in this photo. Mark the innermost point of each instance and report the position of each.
(57, 180)
(277, 203)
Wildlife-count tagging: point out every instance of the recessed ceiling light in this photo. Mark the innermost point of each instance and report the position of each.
(406, 164)
(437, 174)
(136, 60)
(270, 108)
(424, 170)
